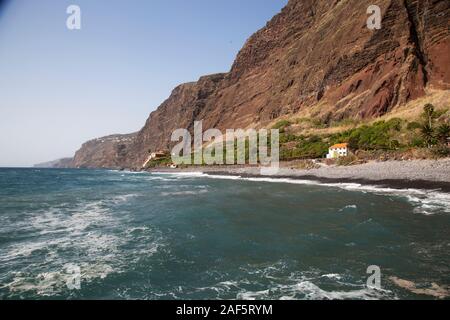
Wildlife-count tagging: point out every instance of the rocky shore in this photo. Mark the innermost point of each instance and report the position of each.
(415, 174)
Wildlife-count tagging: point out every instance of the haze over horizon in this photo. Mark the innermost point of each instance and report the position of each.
(60, 88)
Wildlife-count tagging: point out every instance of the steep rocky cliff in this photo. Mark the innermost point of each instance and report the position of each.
(107, 152)
(316, 58)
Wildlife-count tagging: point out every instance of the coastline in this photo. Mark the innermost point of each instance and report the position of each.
(415, 174)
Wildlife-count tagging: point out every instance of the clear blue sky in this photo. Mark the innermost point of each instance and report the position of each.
(60, 88)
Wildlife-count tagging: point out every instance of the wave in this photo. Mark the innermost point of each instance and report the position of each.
(271, 283)
(427, 202)
(182, 174)
(184, 193)
(307, 290)
(350, 207)
(90, 235)
(128, 172)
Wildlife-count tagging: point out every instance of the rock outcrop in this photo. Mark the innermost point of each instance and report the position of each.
(316, 58)
(107, 152)
(63, 163)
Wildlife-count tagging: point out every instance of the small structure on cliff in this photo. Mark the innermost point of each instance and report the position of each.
(337, 151)
(154, 156)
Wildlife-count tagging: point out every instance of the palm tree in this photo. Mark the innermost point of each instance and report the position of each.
(428, 113)
(428, 134)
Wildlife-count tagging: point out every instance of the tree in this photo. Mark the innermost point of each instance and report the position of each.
(428, 134)
(429, 114)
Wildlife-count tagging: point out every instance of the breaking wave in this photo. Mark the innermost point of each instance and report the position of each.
(298, 286)
(426, 202)
(88, 235)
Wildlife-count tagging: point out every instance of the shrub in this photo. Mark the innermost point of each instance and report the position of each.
(344, 122)
(427, 133)
(394, 145)
(417, 142)
(394, 124)
(374, 137)
(286, 138)
(159, 163)
(441, 151)
(413, 126)
(312, 148)
(282, 125)
(319, 123)
(314, 139)
(302, 120)
(285, 154)
(306, 165)
(347, 161)
(443, 133)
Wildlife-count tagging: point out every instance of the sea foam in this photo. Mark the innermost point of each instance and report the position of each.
(426, 202)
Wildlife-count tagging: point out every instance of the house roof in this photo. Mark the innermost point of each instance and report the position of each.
(339, 145)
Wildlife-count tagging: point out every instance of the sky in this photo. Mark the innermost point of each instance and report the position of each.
(60, 87)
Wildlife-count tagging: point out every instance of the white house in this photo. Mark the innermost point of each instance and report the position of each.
(337, 151)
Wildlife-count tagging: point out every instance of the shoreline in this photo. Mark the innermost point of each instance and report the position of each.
(416, 174)
(393, 183)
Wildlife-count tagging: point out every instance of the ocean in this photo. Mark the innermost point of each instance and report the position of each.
(102, 234)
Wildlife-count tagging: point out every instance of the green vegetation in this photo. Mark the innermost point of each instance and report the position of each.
(413, 125)
(162, 162)
(304, 147)
(282, 125)
(431, 131)
(379, 135)
(435, 134)
(443, 133)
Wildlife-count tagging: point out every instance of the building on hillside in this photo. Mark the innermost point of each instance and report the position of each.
(158, 155)
(338, 150)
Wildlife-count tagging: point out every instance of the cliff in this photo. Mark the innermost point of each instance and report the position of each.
(315, 58)
(107, 152)
(56, 164)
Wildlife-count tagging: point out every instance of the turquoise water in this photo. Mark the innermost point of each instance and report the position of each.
(155, 236)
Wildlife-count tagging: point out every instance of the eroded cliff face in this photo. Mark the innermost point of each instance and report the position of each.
(320, 58)
(315, 58)
(107, 152)
(186, 104)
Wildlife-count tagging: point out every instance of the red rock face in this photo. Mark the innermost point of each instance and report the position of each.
(316, 57)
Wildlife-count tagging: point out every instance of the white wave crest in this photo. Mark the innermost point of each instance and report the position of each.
(89, 236)
(427, 202)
